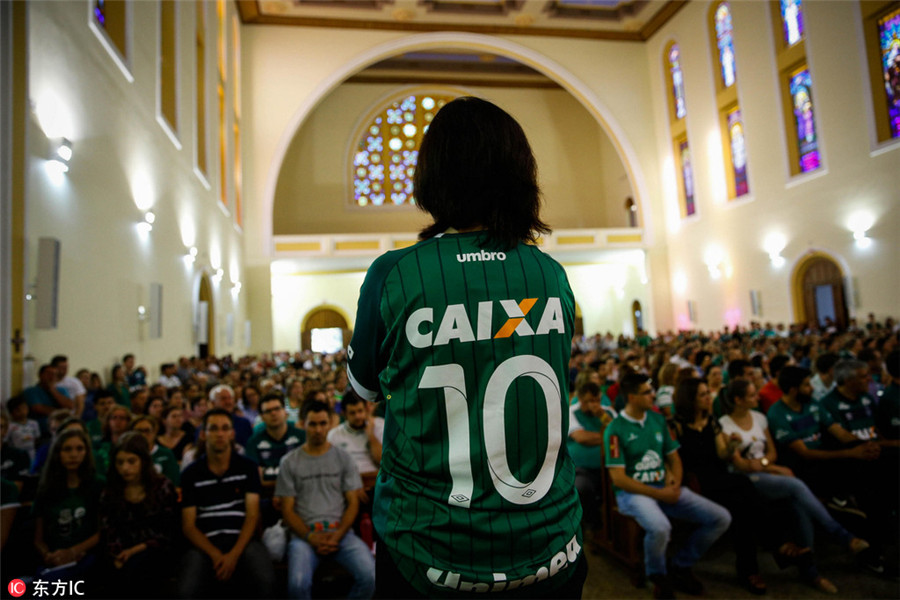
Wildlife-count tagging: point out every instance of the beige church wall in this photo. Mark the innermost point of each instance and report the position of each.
(605, 293)
(812, 212)
(610, 77)
(295, 295)
(576, 164)
(121, 159)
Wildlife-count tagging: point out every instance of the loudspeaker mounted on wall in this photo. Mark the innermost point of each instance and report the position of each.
(229, 329)
(692, 311)
(755, 303)
(155, 305)
(247, 332)
(47, 293)
(202, 322)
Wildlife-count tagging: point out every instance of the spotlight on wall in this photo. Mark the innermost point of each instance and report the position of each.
(60, 153)
(142, 313)
(773, 245)
(191, 256)
(236, 288)
(146, 226)
(217, 278)
(715, 261)
(859, 223)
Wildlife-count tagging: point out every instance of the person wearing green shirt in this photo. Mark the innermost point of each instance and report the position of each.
(643, 462)
(67, 506)
(585, 443)
(846, 467)
(475, 493)
(164, 460)
(268, 446)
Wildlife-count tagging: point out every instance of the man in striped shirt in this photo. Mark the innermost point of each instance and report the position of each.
(220, 511)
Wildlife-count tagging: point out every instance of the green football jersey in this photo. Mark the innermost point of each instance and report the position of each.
(469, 349)
(640, 447)
(857, 417)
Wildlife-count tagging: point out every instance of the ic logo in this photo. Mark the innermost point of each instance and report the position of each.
(16, 588)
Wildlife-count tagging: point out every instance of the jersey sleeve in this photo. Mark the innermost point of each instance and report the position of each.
(612, 447)
(363, 352)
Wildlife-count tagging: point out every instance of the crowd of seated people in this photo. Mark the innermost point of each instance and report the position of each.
(782, 467)
(100, 482)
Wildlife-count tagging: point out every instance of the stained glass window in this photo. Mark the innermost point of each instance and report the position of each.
(804, 121)
(687, 176)
(792, 19)
(385, 158)
(100, 12)
(677, 81)
(725, 43)
(738, 152)
(889, 38)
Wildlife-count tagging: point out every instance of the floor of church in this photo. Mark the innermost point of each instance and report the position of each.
(607, 578)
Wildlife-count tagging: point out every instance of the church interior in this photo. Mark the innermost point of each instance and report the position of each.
(215, 177)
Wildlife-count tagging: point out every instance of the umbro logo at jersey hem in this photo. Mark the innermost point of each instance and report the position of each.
(482, 256)
(558, 563)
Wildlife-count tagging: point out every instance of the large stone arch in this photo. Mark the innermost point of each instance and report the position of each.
(465, 41)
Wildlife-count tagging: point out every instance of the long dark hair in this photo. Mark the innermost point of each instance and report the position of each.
(476, 168)
(54, 481)
(134, 443)
(736, 389)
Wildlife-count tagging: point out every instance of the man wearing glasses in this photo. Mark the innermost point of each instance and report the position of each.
(267, 446)
(643, 462)
(220, 511)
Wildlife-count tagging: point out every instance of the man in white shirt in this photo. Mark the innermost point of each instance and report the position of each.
(360, 436)
(168, 378)
(73, 387)
(823, 381)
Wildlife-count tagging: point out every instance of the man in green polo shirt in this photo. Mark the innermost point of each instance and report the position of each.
(586, 422)
(642, 458)
(267, 447)
(849, 403)
(853, 468)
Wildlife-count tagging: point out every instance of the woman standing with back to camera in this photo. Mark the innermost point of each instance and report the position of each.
(466, 337)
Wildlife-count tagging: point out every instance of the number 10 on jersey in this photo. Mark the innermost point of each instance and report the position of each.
(452, 380)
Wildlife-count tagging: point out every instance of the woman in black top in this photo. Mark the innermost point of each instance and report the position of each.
(138, 520)
(704, 451)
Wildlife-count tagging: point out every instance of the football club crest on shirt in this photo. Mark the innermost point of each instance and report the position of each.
(659, 436)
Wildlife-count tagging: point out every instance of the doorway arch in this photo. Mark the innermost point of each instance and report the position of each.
(325, 316)
(818, 291)
(466, 41)
(637, 316)
(205, 317)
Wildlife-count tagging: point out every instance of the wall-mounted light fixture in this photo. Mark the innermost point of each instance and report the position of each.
(142, 313)
(58, 159)
(859, 224)
(146, 226)
(773, 245)
(61, 153)
(191, 256)
(217, 278)
(714, 259)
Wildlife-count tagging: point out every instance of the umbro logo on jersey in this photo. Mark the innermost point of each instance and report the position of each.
(456, 324)
(482, 256)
